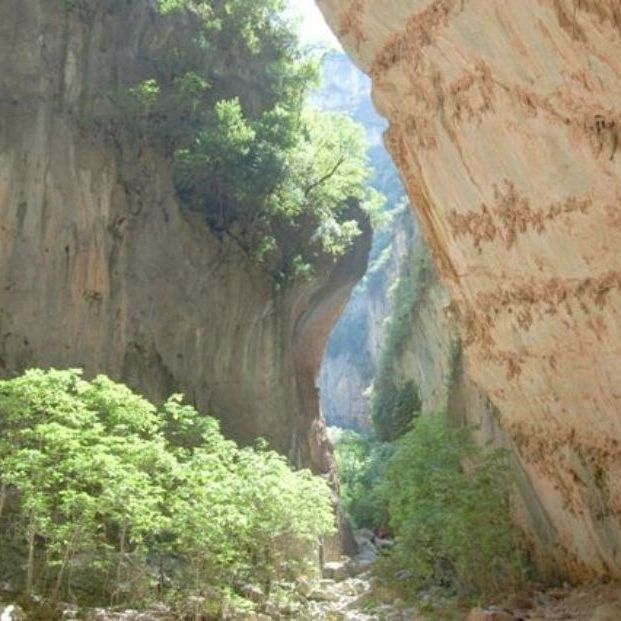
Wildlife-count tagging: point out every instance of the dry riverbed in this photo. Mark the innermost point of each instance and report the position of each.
(349, 591)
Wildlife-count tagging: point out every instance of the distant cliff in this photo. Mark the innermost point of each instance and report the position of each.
(351, 358)
(504, 122)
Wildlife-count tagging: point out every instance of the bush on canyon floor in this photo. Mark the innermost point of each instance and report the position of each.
(446, 502)
(449, 507)
(361, 462)
(108, 499)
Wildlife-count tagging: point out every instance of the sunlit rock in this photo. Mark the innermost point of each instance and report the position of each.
(504, 121)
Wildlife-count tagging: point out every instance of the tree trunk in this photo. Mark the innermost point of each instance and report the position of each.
(122, 544)
(63, 567)
(2, 496)
(30, 562)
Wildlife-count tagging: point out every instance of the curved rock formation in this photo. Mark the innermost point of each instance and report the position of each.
(99, 266)
(505, 122)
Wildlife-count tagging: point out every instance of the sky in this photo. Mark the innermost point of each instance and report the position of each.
(313, 27)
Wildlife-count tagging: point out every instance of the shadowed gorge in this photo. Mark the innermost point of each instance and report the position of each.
(287, 337)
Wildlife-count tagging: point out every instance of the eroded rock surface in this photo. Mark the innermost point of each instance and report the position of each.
(506, 125)
(99, 266)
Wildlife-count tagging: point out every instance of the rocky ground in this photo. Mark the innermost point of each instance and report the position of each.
(348, 591)
(596, 602)
(345, 592)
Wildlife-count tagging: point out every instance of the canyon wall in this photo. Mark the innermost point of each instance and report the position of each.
(505, 123)
(99, 266)
(352, 356)
(429, 344)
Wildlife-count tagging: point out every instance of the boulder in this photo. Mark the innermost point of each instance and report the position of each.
(338, 570)
(367, 553)
(520, 601)
(363, 535)
(303, 587)
(250, 616)
(12, 613)
(323, 594)
(252, 592)
(354, 587)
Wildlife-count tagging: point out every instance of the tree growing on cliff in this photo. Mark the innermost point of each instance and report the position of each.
(284, 188)
(286, 184)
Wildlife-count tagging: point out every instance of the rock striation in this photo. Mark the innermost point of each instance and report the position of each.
(505, 124)
(100, 267)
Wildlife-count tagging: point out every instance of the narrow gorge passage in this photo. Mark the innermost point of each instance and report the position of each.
(310, 320)
(504, 127)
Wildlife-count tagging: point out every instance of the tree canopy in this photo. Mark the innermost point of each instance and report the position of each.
(105, 496)
(286, 183)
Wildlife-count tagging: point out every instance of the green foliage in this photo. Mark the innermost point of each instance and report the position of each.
(396, 403)
(446, 501)
(242, 23)
(146, 93)
(167, 7)
(361, 463)
(449, 507)
(109, 495)
(227, 100)
(394, 406)
(282, 186)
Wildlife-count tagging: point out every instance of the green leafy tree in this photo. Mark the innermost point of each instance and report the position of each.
(361, 463)
(286, 184)
(284, 187)
(107, 493)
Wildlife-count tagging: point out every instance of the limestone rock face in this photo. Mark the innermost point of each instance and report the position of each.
(100, 268)
(430, 345)
(505, 121)
(352, 356)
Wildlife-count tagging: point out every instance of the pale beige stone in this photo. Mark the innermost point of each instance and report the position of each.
(505, 122)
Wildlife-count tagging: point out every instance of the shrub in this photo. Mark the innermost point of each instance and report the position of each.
(394, 406)
(106, 496)
(449, 507)
(361, 462)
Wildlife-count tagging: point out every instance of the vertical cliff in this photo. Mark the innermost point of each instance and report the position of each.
(505, 123)
(351, 358)
(421, 342)
(101, 268)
